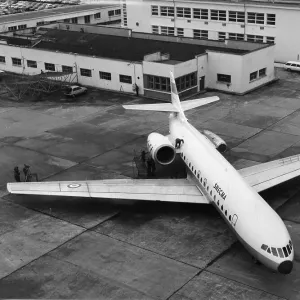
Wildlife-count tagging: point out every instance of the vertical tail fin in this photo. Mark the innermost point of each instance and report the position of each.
(175, 97)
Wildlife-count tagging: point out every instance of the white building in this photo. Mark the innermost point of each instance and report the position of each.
(82, 14)
(265, 21)
(116, 59)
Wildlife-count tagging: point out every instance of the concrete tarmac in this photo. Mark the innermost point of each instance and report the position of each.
(55, 247)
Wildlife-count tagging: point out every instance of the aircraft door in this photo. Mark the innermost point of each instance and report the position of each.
(234, 219)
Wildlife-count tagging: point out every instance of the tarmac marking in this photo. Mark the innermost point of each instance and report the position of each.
(74, 185)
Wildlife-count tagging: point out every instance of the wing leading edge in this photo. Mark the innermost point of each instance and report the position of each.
(172, 190)
(264, 176)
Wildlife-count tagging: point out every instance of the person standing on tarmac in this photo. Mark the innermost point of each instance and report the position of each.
(17, 174)
(137, 90)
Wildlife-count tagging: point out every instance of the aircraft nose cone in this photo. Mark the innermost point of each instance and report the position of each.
(285, 267)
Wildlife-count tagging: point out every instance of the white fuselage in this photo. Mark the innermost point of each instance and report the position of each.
(255, 223)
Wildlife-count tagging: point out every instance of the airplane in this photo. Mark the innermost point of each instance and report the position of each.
(211, 179)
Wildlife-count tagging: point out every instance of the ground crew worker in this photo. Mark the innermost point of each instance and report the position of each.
(25, 171)
(143, 156)
(17, 174)
(137, 90)
(149, 167)
(153, 167)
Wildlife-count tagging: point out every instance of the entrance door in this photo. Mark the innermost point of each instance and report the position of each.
(201, 83)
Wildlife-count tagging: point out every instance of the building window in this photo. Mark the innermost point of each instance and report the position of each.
(256, 18)
(67, 69)
(167, 11)
(237, 16)
(271, 19)
(221, 36)
(201, 14)
(97, 15)
(111, 13)
(224, 78)
(183, 12)
(31, 64)
(2, 59)
(105, 75)
(125, 78)
(40, 23)
(157, 83)
(66, 20)
(87, 19)
(186, 82)
(262, 72)
(24, 26)
(12, 28)
(16, 62)
(180, 32)
(117, 12)
(154, 10)
(218, 15)
(253, 75)
(49, 67)
(74, 20)
(200, 34)
(164, 30)
(155, 29)
(270, 39)
(236, 36)
(86, 72)
(255, 38)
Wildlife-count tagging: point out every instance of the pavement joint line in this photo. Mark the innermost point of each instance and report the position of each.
(188, 281)
(142, 248)
(42, 254)
(245, 284)
(118, 283)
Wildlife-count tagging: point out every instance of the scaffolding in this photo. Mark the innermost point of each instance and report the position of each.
(20, 86)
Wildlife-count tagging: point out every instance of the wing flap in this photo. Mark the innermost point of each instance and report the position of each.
(173, 190)
(267, 175)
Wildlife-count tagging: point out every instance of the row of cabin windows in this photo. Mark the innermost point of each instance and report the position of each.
(284, 252)
(214, 15)
(207, 187)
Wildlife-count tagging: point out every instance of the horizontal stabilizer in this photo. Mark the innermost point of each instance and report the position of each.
(155, 107)
(190, 104)
(169, 107)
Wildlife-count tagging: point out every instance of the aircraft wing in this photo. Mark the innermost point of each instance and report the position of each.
(172, 190)
(267, 175)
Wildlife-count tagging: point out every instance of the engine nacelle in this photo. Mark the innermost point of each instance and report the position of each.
(219, 143)
(160, 148)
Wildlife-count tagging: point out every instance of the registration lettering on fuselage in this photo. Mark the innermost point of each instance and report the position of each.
(220, 191)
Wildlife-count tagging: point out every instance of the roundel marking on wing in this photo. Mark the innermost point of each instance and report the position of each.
(74, 185)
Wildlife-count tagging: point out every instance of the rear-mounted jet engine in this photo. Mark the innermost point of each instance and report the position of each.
(160, 148)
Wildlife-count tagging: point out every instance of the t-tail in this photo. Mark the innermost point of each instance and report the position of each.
(176, 106)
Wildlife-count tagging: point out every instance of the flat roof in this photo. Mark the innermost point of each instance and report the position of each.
(288, 3)
(119, 47)
(52, 12)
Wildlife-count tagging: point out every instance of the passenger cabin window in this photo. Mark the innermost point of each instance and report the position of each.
(229, 218)
(274, 252)
(225, 212)
(222, 207)
(214, 197)
(218, 202)
(211, 193)
(198, 176)
(285, 252)
(280, 252)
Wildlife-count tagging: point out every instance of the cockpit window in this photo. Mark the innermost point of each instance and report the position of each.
(290, 243)
(274, 252)
(285, 252)
(269, 251)
(264, 247)
(280, 252)
(288, 249)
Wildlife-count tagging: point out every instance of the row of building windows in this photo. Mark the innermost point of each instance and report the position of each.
(17, 62)
(258, 74)
(163, 83)
(206, 187)
(203, 34)
(224, 78)
(19, 27)
(214, 15)
(116, 12)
